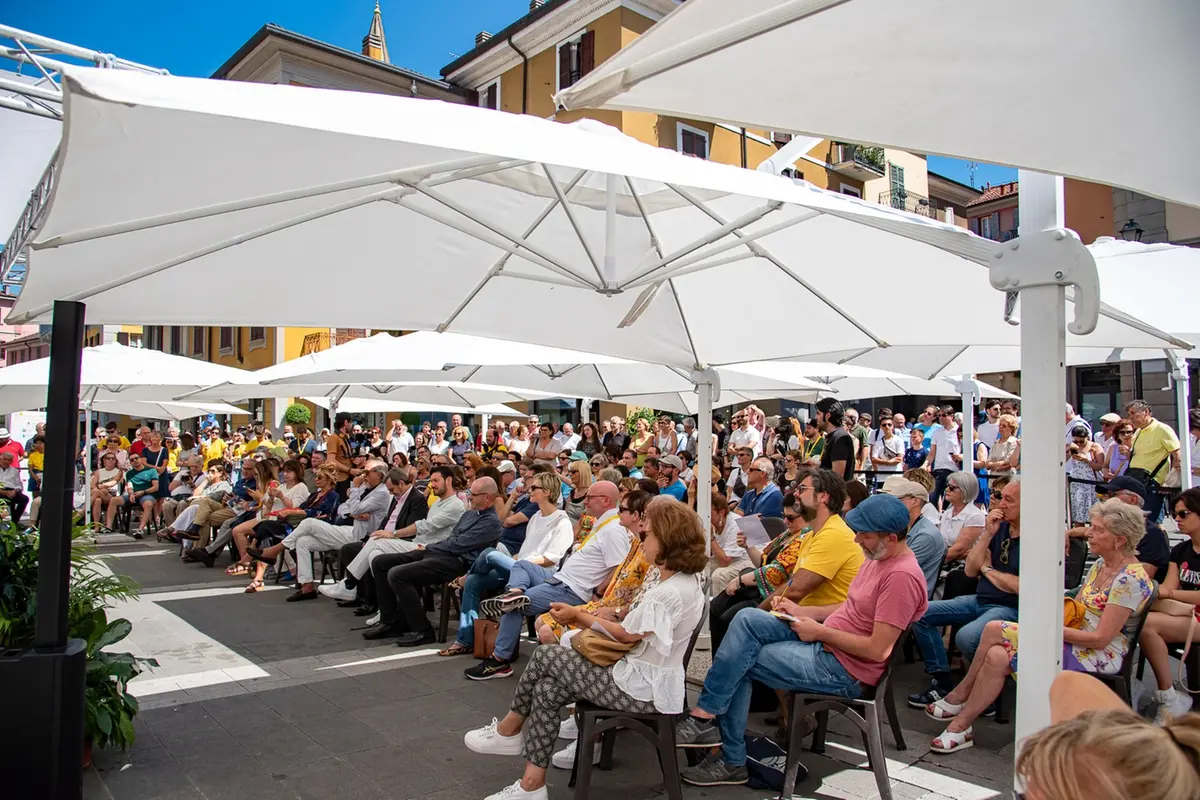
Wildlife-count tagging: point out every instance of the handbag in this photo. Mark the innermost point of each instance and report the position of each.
(599, 649)
(1073, 612)
(485, 637)
(1177, 608)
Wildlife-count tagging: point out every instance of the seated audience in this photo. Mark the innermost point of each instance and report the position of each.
(762, 496)
(728, 558)
(106, 483)
(10, 486)
(1181, 585)
(1153, 551)
(835, 649)
(141, 484)
(649, 678)
(995, 559)
(1114, 593)
(358, 517)
(962, 521)
(547, 538)
(400, 577)
(532, 588)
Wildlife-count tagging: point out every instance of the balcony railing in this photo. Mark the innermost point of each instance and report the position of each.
(859, 158)
(316, 342)
(908, 201)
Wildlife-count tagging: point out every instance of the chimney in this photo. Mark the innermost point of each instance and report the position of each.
(481, 37)
(534, 5)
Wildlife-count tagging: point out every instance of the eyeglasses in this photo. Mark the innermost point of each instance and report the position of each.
(802, 488)
(1182, 514)
(791, 517)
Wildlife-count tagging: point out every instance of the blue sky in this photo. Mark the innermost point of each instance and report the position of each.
(194, 38)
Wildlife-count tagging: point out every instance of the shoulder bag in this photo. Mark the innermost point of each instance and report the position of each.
(599, 649)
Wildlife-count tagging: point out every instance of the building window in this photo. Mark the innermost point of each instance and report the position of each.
(780, 138)
(226, 343)
(793, 173)
(973, 225)
(489, 96)
(258, 338)
(691, 141)
(576, 58)
(199, 340)
(176, 340)
(853, 191)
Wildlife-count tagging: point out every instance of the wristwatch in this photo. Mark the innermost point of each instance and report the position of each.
(986, 570)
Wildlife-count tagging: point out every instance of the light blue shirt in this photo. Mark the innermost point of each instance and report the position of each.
(927, 544)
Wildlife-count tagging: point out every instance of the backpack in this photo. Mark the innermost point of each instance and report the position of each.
(766, 762)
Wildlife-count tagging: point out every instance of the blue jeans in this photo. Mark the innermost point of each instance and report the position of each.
(532, 579)
(488, 573)
(763, 648)
(966, 609)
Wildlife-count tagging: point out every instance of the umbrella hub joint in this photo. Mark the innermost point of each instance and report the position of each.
(1054, 257)
(609, 291)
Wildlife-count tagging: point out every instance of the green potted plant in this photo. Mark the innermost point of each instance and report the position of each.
(639, 412)
(297, 414)
(110, 708)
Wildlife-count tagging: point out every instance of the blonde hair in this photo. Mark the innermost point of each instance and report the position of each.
(460, 429)
(548, 481)
(583, 478)
(1113, 755)
(1122, 520)
(921, 476)
(1008, 419)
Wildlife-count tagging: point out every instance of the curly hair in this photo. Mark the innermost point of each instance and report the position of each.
(680, 535)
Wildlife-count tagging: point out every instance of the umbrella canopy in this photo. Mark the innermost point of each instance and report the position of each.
(1146, 280)
(1056, 59)
(115, 372)
(624, 248)
(856, 383)
(463, 361)
(151, 409)
(356, 405)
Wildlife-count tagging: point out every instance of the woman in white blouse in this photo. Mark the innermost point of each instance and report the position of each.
(650, 677)
(961, 521)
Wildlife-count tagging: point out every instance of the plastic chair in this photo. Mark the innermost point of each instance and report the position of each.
(866, 712)
(1121, 682)
(658, 729)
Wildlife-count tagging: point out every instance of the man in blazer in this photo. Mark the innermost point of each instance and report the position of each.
(406, 509)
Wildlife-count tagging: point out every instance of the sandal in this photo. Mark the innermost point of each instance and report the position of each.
(456, 649)
(256, 585)
(950, 742)
(943, 710)
(235, 570)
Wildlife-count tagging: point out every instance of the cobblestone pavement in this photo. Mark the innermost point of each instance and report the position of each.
(261, 699)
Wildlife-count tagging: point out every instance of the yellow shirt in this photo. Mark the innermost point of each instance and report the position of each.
(37, 461)
(213, 449)
(173, 459)
(833, 554)
(256, 443)
(239, 451)
(1151, 445)
(124, 442)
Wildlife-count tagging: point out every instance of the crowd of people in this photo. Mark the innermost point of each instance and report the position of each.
(591, 540)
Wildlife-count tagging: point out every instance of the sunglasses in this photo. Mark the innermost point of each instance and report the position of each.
(1182, 514)
(791, 517)
(626, 510)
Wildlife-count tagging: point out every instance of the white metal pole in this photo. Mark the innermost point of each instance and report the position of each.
(1043, 490)
(1182, 391)
(704, 461)
(87, 460)
(610, 231)
(585, 413)
(968, 412)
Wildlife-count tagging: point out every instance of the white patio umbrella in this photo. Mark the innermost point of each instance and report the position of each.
(356, 405)
(461, 360)
(1056, 59)
(153, 409)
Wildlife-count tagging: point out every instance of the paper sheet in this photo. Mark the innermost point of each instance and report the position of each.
(596, 626)
(756, 534)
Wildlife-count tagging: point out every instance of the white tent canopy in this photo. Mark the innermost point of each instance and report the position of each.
(356, 405)
(115, 372)
(152, 409)
(857, 383)
(182, 180)
(1057, 62)
(462, 361)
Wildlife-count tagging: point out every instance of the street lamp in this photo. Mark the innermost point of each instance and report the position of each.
(1131, 231)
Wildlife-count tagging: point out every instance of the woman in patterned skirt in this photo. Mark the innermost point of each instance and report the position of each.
(648, 679)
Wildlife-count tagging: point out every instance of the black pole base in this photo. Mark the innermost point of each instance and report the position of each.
(41, 744)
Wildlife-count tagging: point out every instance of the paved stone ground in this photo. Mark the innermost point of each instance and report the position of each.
(261, 699)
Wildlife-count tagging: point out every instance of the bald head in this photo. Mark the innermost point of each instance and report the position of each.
(483, 493)
(602, 496)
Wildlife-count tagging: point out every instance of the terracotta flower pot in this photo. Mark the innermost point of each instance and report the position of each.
(87, 753)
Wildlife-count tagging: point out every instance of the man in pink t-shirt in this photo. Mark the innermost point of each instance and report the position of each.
(834, 650)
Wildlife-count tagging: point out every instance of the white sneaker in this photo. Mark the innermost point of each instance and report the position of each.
(337, 591)
(568, 729)
(565, 758)
(515, 792)
(1170, 704)
(489, 741)
(374, 619)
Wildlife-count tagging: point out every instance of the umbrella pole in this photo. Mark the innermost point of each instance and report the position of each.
(706, 386)
(969, 391)
(1182, 381)
(87, 460)
(1039, 265)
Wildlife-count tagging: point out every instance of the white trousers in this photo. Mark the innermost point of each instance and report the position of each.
(185, 518)
(362, 562)
(314, 536)
(721, 576)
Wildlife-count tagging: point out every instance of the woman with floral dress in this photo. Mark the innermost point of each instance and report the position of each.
(1114, 595)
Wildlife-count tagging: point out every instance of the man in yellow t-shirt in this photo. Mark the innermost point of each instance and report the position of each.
(829, 557)
(261, 439)
(37, 464)
(1153, 441)
(214, 446)
(112, 431)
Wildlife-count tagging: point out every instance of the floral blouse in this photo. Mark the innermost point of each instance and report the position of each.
(1131, 589)
(626, 586)
(779, 561)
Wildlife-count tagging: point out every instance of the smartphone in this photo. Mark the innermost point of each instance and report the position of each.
(273, 485)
